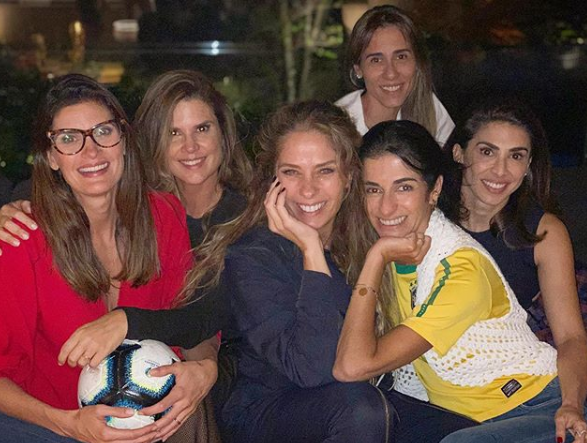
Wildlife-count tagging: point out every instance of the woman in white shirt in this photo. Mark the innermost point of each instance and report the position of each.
(388, 63)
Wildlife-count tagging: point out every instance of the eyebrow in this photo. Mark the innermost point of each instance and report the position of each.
(380, 54)
(320, 165)
(396, 182)
(492, 146)
(205, 122)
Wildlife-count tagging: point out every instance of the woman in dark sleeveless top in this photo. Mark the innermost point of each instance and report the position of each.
(504, 184)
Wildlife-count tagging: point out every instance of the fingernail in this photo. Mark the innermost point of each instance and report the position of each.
(25, 236)
(274, 178)
(15, 243)
(34, 226)
(559, 440)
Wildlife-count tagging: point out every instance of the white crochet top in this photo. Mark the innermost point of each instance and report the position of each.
(490, 348)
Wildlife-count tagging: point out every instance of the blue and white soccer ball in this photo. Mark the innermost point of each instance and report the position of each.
(122, 379)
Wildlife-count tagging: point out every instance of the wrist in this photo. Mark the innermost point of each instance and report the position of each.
(62, 422)
(375, 258)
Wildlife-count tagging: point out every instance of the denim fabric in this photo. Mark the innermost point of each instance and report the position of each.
(13, 430)
(337, 412)
(531, 422)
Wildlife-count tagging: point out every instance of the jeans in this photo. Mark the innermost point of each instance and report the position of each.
(421, 422)
(13, 430)
(531, 422)
(336, 412)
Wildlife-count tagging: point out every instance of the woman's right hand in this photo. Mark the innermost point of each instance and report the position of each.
(11, 232)
(281, 222)
(89, 425)
(92, 342)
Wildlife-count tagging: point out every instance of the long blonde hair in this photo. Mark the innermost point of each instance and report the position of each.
(351, 225)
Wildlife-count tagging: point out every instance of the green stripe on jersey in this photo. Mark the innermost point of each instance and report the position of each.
(446, 265)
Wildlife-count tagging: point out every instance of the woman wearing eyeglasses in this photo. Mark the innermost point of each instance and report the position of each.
(104, 241)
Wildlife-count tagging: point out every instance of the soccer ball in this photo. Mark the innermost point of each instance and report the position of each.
(122, 379)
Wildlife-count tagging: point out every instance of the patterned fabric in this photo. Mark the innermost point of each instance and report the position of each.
(484, 341)
(537, 317)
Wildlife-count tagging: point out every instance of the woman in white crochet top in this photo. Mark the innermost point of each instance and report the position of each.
(453, 327)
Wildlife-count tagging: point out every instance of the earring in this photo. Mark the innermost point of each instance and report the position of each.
(359, 76)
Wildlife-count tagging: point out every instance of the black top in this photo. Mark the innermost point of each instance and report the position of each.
(517, 265)
(289, 319)
(230, 205)
(209, 313)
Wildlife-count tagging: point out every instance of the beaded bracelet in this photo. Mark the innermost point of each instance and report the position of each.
(363, 290)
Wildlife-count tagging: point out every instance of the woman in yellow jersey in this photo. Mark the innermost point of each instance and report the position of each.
(452, 331)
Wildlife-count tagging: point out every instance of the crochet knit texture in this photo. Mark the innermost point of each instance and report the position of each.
(490, 348)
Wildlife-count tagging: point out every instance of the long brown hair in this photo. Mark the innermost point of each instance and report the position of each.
(419, 105)
(62, 218)
(153, 123)
(535, 188)
(351, 224)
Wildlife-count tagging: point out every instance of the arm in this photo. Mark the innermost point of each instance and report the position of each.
(193, 380)
(291, 325)
(465, 285)
(87, 424)
(186, 326)
(18, 327)
(11, 232)
(360, 354)
(556, 274)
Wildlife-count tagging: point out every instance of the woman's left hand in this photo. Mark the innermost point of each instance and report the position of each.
(408, 250)
(193, 381)
(571, 419)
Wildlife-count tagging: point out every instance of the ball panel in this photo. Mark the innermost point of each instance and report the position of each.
(122, 380)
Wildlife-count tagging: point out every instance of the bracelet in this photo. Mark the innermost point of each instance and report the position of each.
(363, 290)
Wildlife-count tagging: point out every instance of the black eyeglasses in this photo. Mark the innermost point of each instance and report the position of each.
(71, 141)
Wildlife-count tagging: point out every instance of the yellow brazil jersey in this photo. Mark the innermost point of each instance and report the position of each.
(466, 289)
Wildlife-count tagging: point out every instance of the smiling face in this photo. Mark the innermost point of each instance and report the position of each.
(315, 185)
(95, 171)
(195, 150)
(398, 200)
(495, 162)
(388, 67)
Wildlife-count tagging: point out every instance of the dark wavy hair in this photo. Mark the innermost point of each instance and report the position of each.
(62, 218)
(535, 188)
(414, 145)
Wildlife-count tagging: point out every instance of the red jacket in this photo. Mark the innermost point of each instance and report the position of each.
(39, 310)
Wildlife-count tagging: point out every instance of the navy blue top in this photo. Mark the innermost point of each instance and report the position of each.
(517, 265)
(289, 319)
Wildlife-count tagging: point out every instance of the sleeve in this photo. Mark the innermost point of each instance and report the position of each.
(18, 313)
(461, 295)
(293, 327)
(186, 326)
(173, 244)
(444, 124)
